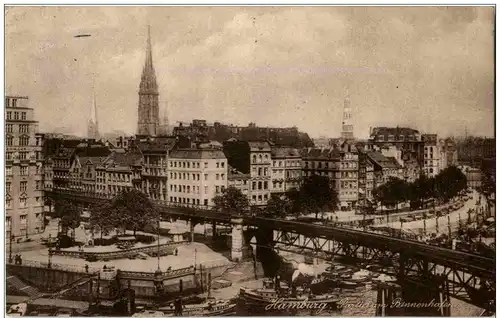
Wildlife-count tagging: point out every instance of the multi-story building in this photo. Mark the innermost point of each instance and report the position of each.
(431, 166)
(23, 169)
(286, 170)
(366, 180)
(196, 176)
(348, 181)
(239, 180)
(61, 165)
(260, 172)
(448, 154)
(408, 140)
(118, 172)
(155, 165)
(253, 158)
(384, 168)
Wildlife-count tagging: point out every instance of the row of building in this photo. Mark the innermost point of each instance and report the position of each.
(172, 170)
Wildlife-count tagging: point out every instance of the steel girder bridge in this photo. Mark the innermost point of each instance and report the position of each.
(470, 277)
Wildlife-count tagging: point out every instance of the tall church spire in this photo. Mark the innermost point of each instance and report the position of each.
(148, 111)
(347, 127)
(93, 126)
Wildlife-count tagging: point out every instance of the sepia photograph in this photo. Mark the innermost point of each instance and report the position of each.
(249, 160)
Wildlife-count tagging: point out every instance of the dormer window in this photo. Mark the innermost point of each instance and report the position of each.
(380, 137)
(401, 137)
(390, 138)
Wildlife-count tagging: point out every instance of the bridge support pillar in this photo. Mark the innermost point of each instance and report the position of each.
(214, 230)
(237, 239)
(191, 225)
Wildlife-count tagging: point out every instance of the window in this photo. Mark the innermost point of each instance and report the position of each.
(222, 164)
(206, 177)
(254, 185)
(217, 165)
(22, 155)
(9, 128)
(206, 165)
(216, 189)
(217, 176)
(254, 159)
(14, 102)
(260, 185)
(9, 115)
(8, 203)
(24, 129)
(222, 176)
(189, 165)
(7, 186)
(24, 140)
(254, 198)
(23, 171)
(206, 190)
(37, 185)
(260, 171)
(10, 141)
(8, 156)
(23, 186)
(265, 185)
(22, 202)
(205, 202)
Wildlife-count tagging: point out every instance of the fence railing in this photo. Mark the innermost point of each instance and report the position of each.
(118, 254)
(56, 266)
(172, 273)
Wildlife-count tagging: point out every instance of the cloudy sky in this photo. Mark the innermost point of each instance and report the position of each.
(426, 67)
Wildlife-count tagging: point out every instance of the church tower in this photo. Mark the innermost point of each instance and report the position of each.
(92, 126)
(164, 128)
(148, 112)
(347, 127)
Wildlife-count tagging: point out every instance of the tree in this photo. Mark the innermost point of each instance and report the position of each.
(102, 219)
(132, 209)
(449, 183)
(278, 206)
(316, 195)
(231, 201)
(392, 193)
(70, 215)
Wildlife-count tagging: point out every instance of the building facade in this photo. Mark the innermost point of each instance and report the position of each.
(260, 172)
(348, 182)
(408, 140)
(286, 170)
(155, 165)
(196, 176)
(432, 165)
(239, 180)
(24, 200)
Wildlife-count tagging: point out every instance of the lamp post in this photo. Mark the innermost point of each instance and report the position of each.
(11, 238)
(158, 244)
(50, 252)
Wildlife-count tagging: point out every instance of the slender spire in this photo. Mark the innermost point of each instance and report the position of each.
(347, 127)
(93, 126)
(148, 78)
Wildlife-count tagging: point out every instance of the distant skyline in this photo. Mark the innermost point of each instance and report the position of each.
(275, 66)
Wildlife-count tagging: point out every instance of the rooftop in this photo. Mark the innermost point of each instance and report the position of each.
(320, 154)
(383, 161)
(197, 154)
(283, 152)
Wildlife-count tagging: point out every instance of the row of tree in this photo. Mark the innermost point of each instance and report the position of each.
(129, 210)
(133, 210)
(446, 185)
(315, 195)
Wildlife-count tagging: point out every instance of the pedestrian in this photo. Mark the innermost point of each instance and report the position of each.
(20, 260)
(87, 268)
